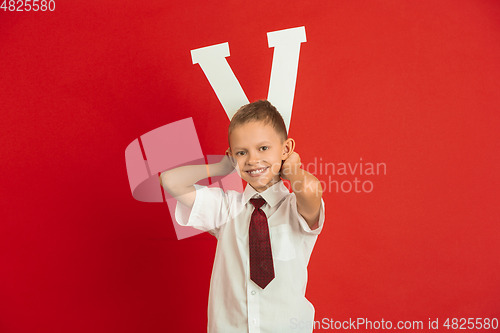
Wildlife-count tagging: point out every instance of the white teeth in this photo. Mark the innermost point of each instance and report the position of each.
(257, 171)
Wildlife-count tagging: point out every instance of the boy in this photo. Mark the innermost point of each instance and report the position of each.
(265, 235)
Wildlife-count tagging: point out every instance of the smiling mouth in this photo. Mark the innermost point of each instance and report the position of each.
(257, 172)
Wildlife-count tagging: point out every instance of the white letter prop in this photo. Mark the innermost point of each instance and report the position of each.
(212, 60)
(286, 43)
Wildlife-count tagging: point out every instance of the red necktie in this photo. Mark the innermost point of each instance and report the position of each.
(261, 257)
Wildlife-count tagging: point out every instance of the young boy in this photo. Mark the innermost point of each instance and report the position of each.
(265, 235)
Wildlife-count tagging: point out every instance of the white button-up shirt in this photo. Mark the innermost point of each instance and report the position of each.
(236, 304)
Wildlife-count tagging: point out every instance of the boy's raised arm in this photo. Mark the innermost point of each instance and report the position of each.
(179, 182)
(306, 187)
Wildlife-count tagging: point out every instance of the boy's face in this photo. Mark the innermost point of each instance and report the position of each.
(259, 152)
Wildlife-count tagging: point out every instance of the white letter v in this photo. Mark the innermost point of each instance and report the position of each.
(286, 43)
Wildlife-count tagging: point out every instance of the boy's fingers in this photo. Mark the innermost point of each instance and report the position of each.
(231, 159)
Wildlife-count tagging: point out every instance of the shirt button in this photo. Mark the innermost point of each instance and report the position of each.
(253, 293)
(255, 321)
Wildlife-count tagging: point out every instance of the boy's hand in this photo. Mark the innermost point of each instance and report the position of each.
(227, 164)
(290, 166)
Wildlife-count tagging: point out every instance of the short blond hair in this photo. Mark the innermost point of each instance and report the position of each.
(261, 110)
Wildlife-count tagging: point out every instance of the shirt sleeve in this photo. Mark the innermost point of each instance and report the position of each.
(303, 223)
(209, 211)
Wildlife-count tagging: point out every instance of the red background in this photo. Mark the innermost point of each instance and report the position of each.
(412, 84)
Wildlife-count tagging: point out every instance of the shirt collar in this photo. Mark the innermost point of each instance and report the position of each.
(273, 195)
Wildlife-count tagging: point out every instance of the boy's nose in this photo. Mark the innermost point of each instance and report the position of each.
(252, 159)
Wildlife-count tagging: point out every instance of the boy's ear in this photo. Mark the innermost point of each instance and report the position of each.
(289, 147)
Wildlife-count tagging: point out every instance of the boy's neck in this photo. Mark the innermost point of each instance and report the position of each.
(267, 187)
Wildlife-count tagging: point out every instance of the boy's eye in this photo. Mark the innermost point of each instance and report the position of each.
(240, 153)
(264, 148)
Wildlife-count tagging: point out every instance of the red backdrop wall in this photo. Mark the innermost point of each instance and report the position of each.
(414, 85)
